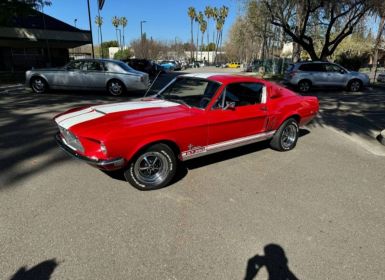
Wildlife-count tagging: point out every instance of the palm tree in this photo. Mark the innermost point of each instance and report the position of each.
(198, 19)
(99, 23)
(208, 14)
(215, 16)
(220, 18)
(223, 13)
(116, 23)
(203, 28)
(123, 23)
(192, 14)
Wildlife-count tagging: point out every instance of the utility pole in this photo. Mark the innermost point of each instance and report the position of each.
(141, 36)
(89, 20)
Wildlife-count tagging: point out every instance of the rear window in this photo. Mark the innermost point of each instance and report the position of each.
(290, 68)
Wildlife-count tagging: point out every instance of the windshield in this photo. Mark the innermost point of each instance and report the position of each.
(190, 91)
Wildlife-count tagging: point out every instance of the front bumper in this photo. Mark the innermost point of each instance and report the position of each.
(109, 165)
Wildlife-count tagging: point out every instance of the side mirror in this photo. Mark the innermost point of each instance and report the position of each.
(342, 71)
(229, 105)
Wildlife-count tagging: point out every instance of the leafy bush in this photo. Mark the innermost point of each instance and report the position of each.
(122, 54)
(353, 61)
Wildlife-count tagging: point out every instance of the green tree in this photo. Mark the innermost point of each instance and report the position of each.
(192, 14)
(123, 54)
(105, 45)
(99, 23)
(203, 27)
(123, 23)
(199, 20)
(11, 8)
(116, 23)
(208, 13)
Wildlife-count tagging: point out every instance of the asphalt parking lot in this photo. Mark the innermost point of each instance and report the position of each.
(316, 212)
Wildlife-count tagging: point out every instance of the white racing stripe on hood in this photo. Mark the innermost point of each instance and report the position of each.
(71, 119)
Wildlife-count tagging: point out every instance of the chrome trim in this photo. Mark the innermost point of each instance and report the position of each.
(226, 145)
(111, 164)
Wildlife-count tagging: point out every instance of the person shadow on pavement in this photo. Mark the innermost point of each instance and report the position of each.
(275, 262)
(41, 271)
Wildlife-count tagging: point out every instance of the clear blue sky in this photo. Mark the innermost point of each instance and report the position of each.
(166, 19)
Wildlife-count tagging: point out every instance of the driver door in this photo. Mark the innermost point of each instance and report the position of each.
(239, 112)
(71, 77)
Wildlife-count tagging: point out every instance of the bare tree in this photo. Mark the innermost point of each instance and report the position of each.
(336, 17)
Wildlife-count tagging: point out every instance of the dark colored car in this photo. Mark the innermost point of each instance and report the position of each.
(144, 65)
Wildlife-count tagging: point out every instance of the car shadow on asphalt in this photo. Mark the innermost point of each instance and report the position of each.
(274, 261)
(353, 113)
(41, 271)
(185, 166)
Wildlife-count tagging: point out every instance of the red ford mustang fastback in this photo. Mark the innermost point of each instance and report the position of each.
(194, 115)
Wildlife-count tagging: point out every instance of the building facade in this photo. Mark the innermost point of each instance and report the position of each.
(37, 40)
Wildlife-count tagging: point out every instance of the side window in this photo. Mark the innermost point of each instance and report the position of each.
(333, 68)
(92, 66)
(75, 65)
(242, 94)
(312, 67)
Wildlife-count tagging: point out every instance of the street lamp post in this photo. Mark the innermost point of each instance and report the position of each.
(75, 21)
(141, 35)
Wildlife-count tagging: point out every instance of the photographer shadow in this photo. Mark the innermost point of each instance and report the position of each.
(274, 260)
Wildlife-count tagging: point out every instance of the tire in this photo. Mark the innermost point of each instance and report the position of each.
(304, 86)
(354, 85)
(153, 168)
(39, 85)
(116, 88)
(286, 136)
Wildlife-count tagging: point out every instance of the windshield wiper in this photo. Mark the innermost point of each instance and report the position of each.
(174, 98)
(180, 101)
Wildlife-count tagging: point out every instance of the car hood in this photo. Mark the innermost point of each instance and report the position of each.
(99, 121)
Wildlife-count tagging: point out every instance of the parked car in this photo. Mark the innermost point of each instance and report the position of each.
(381, 77)
(305, 75)
(233, 65)
(193, 116)
(171, 65)
(88, 74)
(144, 65)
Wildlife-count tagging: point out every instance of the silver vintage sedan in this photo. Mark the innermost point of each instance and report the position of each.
(89, 74)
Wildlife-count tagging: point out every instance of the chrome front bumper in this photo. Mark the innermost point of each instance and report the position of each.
(109, 165)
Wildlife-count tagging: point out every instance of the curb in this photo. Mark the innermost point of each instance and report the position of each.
(381, 137)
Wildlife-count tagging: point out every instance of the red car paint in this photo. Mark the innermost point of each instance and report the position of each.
(125, 128)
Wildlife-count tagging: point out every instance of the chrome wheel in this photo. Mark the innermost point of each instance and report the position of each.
(38, 85)
(289, 136)
(115, 88)
(152, 168)
(304, 86)
(355, 85)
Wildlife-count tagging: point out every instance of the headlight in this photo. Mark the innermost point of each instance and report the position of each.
(71, 140)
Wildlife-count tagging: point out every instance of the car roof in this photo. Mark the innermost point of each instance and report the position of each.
(99, 59)
(224, 78)
(312, 62)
